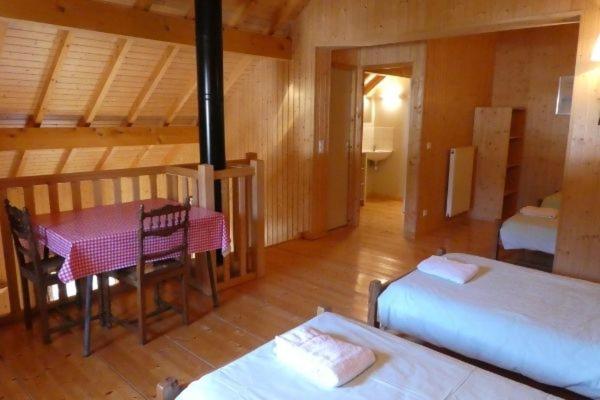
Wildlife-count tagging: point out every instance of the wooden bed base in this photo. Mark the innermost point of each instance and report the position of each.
(376, 287)
(170, 388)
(525, 258)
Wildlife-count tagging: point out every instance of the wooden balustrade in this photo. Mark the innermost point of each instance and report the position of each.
(242, 195)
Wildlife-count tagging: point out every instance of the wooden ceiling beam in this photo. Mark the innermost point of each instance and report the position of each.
(64, 38)
(21, 139)
(145, 5)
(132, 22)
(240, 13)
(3, 29)
(159, 71)
(181, 101)
(236, 73)
(289, 11)
(372, 84)
(110, 74)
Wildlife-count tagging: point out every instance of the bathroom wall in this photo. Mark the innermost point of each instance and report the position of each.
(390, 107)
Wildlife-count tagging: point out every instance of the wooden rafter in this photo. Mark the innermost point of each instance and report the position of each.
(236, 73)
(64, 38)
(62, 161)
(21, 139)
(110, 74)
(372, 84)
(150, 86)
(143, 4)
(289, 11)
(132, 22)
(181, 101)
(240, 12)
(3, 29)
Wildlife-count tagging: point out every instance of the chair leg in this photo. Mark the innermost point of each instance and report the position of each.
(26, 302)
(213, 280)
(87, 315)
(157, 300)
(42, 305)
(184, 297)
(106, 308)
(141, 298)
(79, 285)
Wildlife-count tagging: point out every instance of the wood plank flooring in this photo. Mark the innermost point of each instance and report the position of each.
(333, 271)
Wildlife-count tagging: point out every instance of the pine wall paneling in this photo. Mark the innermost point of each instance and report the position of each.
(346, 23)
(526, 72)
(459, 78)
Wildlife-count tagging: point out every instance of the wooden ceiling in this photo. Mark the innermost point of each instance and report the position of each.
(52, 75)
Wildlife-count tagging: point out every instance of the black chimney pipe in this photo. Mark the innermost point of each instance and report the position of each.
(209, 61)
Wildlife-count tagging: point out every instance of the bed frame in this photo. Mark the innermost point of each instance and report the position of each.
(376, 287)
(525, 258)
(170, 388)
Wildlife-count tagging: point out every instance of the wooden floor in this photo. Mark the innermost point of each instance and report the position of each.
(333, 271)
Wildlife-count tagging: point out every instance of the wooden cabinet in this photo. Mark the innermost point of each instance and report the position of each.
(498, 135)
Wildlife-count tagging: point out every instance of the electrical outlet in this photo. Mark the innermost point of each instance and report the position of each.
(428, 145)
(425, 213)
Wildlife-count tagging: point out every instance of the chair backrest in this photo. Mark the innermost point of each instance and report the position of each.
(23, 236)
(171, 223)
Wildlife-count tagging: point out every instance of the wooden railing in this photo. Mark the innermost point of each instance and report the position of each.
(242, 193)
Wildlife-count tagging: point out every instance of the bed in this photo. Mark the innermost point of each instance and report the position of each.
(540, 325)
(532, 234)
(403, 370)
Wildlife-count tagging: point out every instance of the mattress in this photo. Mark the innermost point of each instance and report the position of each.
(541, 325)
(529, 233)
(403, 370)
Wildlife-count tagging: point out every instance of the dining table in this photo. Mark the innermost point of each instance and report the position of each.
(96, 240)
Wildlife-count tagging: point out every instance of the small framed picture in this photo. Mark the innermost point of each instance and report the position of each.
(565, 95)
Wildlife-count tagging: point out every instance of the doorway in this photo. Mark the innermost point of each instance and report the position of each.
(386, 125)
(341, 123)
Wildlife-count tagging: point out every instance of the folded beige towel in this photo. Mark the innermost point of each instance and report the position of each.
(454, 271)
(326, 361)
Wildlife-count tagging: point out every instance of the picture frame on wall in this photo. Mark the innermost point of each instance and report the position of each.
(564, 99)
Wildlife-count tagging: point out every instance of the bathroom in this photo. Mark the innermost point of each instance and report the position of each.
(386, 106)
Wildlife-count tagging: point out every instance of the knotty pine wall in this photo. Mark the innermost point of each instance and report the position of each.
(345, 23)
(526, 72)
(459, 76)
(260, 118)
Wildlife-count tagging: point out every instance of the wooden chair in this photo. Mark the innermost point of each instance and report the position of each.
(42, 271)
(155, 267)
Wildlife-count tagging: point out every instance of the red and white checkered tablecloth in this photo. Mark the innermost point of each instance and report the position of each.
(103, 239)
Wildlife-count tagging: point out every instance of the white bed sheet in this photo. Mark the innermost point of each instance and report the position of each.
(541, 325)
(529, 233)
(403, 370)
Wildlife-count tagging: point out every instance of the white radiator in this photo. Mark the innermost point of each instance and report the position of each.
(460, 180)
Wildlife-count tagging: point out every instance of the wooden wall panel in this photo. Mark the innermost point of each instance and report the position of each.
(259, 118)
(528, 65)
(491, 132)
(458, 79)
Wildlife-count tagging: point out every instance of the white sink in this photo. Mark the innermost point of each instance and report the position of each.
(378, 155)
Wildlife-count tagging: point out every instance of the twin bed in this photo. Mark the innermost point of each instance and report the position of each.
(543, 326)
(524, 232)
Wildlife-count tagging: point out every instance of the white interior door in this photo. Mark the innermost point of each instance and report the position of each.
(340, 133)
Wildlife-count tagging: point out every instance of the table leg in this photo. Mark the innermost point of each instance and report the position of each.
(213, 280)
(105, 312)
(87, 315)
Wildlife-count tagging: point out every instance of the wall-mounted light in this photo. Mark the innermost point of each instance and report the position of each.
(596, 50)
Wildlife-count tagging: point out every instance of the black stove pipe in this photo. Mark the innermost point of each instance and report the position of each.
(209, 56)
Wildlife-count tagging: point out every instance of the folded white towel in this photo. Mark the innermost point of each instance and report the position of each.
(542, 212)
(326, 361)
(451, 270)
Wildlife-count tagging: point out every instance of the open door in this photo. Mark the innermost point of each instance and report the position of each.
(341, 126)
